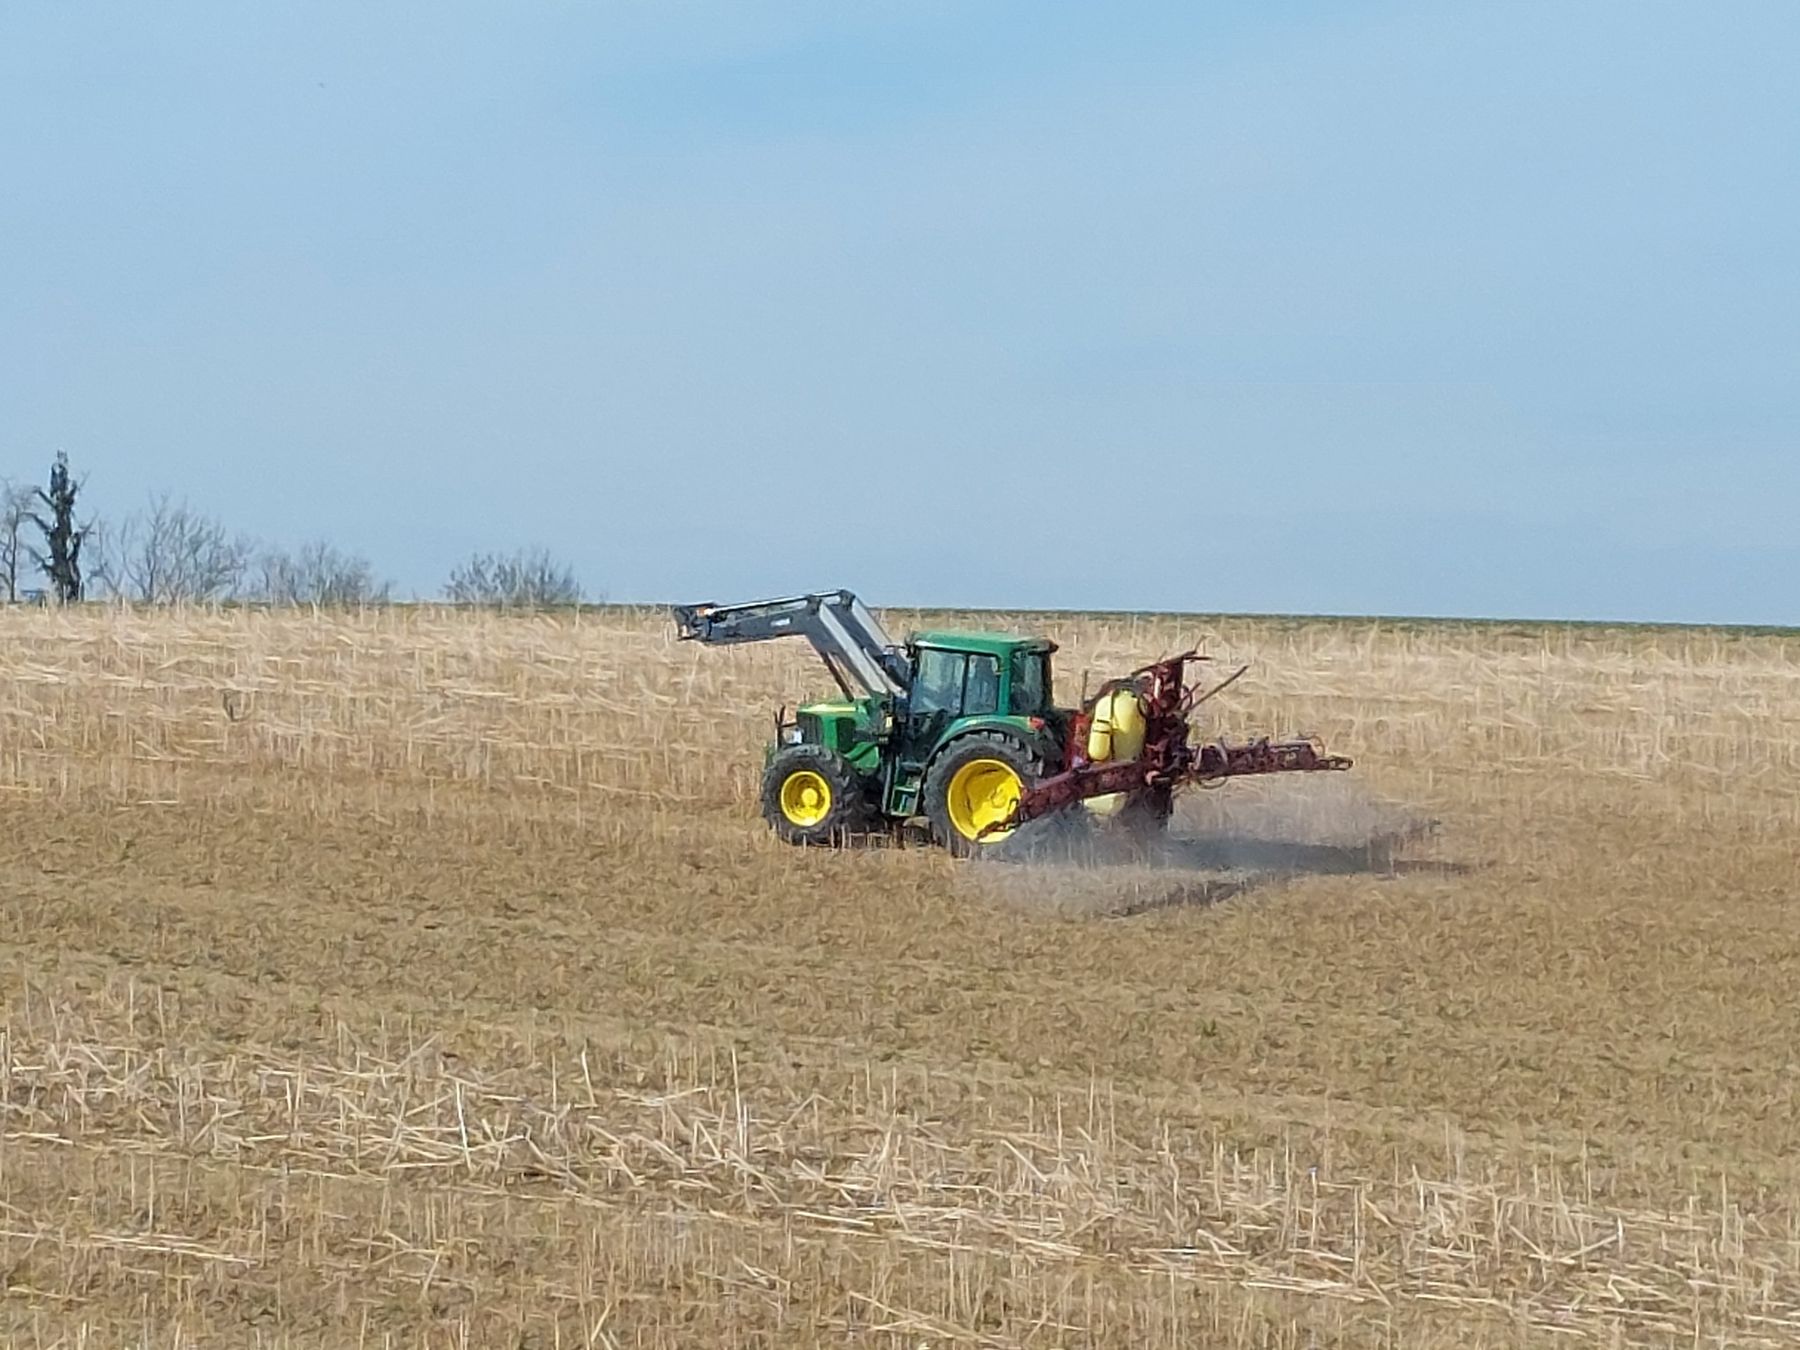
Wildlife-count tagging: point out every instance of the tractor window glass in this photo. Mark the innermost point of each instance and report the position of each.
(938, 685)
(1030, 681)
(982, 693)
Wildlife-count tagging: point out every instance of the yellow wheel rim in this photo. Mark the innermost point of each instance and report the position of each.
(805, 798)
(983, 792)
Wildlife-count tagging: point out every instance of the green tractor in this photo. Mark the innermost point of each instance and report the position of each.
(960, 730)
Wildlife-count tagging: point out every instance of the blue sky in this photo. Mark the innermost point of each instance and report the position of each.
(1396, 308)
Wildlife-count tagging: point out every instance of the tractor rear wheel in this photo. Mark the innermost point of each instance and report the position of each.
(811, 795)
(973, 783)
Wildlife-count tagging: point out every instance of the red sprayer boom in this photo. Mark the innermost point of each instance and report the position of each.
(1099, 765)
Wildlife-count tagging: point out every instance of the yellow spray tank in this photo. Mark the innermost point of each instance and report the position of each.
(1116, 736)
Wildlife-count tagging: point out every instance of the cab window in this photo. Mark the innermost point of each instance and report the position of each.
(1030, 682)
(938, 682)
(982, 692)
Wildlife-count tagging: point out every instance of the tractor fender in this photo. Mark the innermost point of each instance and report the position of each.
(1043, 745)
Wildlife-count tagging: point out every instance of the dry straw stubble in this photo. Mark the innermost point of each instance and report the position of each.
(425, 978)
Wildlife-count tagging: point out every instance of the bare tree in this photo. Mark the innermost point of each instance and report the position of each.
(100, 561)
(319, 574)
(60, 558)
(171, 554)
(15, 554)
(527, 579)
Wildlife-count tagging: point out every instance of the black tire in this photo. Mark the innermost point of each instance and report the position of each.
(801, 820)
(940, 780)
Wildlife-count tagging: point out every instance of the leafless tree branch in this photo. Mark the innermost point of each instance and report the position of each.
(15, 553)
(172, 554)
(528, 579)
(318, 574)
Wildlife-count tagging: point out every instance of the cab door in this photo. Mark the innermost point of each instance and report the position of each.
(935, 700)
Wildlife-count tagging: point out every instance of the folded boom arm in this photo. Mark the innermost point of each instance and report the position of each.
(1167, 761)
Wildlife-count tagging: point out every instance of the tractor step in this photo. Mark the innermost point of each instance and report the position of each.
(908, 788)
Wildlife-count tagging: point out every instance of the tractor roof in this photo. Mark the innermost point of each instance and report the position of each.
(993, 644)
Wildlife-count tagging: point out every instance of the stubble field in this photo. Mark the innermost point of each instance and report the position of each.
(416, 978)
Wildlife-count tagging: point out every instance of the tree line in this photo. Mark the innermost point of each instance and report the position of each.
(170, 553)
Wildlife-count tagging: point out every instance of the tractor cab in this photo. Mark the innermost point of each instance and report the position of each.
(968, 686)
(951, 683)
(978, 674)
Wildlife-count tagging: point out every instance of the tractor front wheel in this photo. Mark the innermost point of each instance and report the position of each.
(811, 795)
(973, 784)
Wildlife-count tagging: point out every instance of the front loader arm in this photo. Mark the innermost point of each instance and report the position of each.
(842, 630)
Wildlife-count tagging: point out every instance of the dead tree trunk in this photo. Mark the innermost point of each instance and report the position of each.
(60, 558)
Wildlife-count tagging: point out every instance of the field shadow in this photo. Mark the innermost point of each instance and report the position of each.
(1197, 894)
(1231, 853)
(1253, 864)
(1198, 868)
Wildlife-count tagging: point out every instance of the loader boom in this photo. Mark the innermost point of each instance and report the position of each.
(842, 630)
